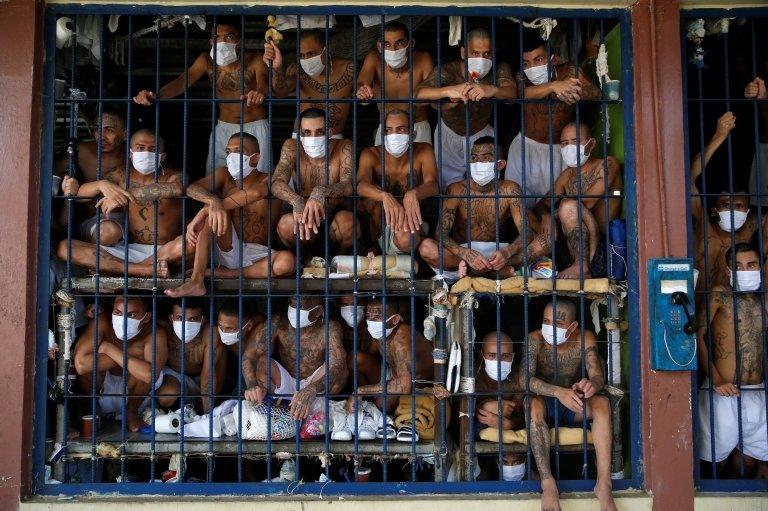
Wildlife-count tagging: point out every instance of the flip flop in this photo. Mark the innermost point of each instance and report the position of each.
(389, 430)
(407, 434)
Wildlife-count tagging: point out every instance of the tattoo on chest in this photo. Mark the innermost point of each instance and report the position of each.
(588, 179)
(569, 365)
(143, 235)
(748, 332)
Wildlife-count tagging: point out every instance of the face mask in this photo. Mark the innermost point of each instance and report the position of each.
(549, 335)
(748, 280)
(396, 58)
(348, 314)
(491, 369)
(397, 144)
(513, 472)
(538, 74)
(189, 332)
(144, 161)
(118, 325)
(229, 338)
(574, 155)
(739, 217)
(314, 146)
(482, 172)
(376, 328)
(233, 165)
(313, 66)
(303, 317)
(478, 67)
(225, 53)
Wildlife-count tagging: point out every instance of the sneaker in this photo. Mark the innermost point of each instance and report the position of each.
(366, 429)
(339, 423)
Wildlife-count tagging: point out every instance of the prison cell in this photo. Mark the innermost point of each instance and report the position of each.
(730, 171)
(139, 458)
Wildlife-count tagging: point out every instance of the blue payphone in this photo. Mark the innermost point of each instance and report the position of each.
(671, 312)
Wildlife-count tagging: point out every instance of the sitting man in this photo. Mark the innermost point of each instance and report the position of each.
(581, 192)
(321, 176)
(465, 94)
(399, 75)
(735, 371)
(190, 339)
(144, 199)
(477, 216)
(403, 221)
(232, 329)
(566, 399)
(123, 348)
(299, 377)
(234, 192)
(392, 338)
(366, 365)
(496, 376)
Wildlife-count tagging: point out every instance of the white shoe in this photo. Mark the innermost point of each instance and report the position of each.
(366, 429)
(339, 423)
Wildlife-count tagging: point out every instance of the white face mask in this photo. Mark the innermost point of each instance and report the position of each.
(233, 165)
(748, 280)
(226, 53)
(548, 331)
(376, 328)
(396, 58)
(118, 323)
(513, 472)
(574, 155)
(482, 172)
(739, 217)
(304, 320)
(144, 161)
(538, 74)
(228, 338)
(397, 144)
(189, 331)
(491, 369)
(348, 314)
(313, 146)
(313, 66)
(478, 67)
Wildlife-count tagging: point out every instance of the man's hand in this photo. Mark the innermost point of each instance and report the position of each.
(570, 399)
(195, 226)
(498, 260)
(365, 92)
(301, 403)
(116, 193)
(459, 92)
(568, 91)
(218, 218)
(725, 124)
(477, 261)
(394, 213)
(585, 387)
(478, 91)
(70, 185)
(272, 56)
(351, 405)
(492, 420)
(755, 89)
(144, 97)
(255, 394)
(106, 348)
(412, 212)
(313, 214)
(107, 205)
(252, 98)
(725, 388)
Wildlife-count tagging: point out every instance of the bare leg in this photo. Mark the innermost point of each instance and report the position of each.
(168, 393)
(110, 233)
(581, 236)
(430, 252)
(550, 498)
(84, 254)
(195, 286)
(403, 241)
(342, 230)
(138, 391)
(368, 368)
(599, 408)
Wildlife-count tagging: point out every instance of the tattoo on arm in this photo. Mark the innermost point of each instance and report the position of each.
(282, 175)
(155, 191)
(594, 363)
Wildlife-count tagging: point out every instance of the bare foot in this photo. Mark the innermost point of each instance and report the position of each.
(550, 497)
(133, 420)
(162, 269)
(762, 470)
(462, 272)
(190, 288)
(573, 272)
(603, 494)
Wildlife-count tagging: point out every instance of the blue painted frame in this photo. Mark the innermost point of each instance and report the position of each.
(314, 489)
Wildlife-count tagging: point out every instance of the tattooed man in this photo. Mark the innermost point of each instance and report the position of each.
(565, 372)
(148, 191)
(731, 350)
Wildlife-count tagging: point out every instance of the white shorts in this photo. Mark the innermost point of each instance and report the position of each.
(422, 128)
(224, 130)
(726, 420)
(484, 247)
(252, 252)
(287, 387)
(88, 227)
(538, 178)
(454, 162)
(762, 151)
(113, 386)
(137, 252)
(387, 239)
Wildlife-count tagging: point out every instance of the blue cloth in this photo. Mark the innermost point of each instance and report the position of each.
(617, 233)
(565, 417)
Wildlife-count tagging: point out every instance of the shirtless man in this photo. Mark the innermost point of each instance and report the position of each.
(481, 252)
(227, 52)
(545, 78)
(232, 330)
(141, 195)
(315, 187)
(129, 328)
(89, 165)
(190, 332)
(496, 376)
(368, 360)
(586, 174)
(305, 318)
(403, 221)
(221, 215)
(756, 90)
(388, 324)
(735, 373)
(314, 58)
(465, 93)
(718, 227)
(399, 76)
(563, 397)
